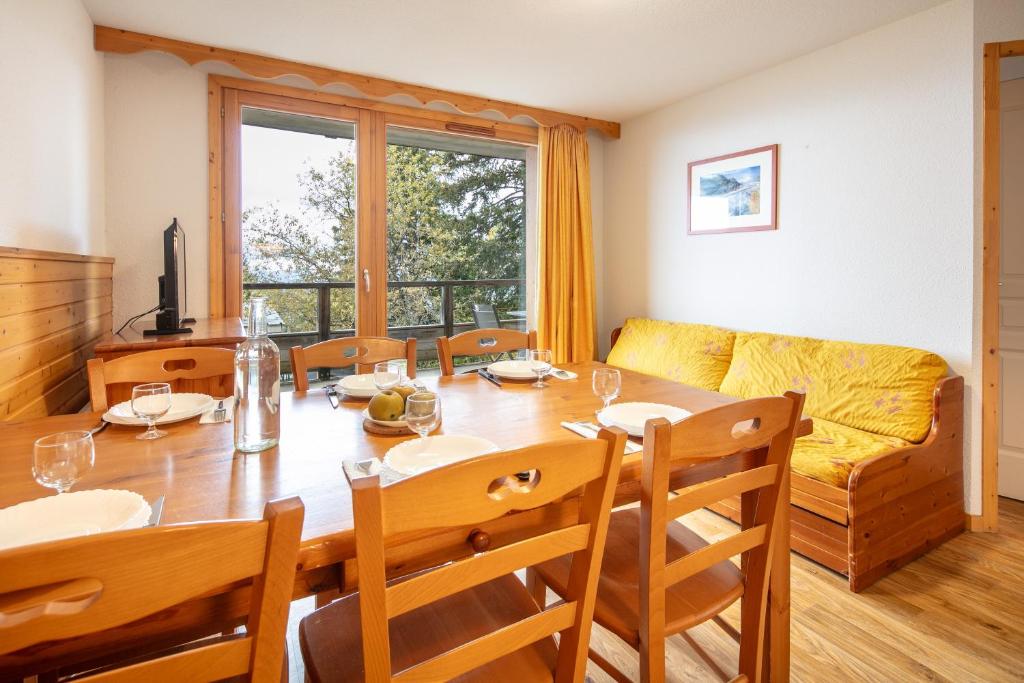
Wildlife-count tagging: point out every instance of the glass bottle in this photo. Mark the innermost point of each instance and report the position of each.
(257, 414)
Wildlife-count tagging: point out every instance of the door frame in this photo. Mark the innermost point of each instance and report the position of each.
(372, 117)
(988, 520)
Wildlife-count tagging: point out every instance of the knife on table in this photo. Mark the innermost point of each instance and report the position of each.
(489, 377)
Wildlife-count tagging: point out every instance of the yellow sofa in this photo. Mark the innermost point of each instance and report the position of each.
(877, 439)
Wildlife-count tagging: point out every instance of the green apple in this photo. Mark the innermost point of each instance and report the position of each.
(387, 406)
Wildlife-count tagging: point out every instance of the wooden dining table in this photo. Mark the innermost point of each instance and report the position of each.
(201, 477)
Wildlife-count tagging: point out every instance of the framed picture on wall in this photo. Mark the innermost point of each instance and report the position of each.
(734, 192)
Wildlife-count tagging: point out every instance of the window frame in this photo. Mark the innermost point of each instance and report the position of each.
(227, 96)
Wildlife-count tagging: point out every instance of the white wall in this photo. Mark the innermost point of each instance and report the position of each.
(51, 128)
(156, 169)
(876, 212)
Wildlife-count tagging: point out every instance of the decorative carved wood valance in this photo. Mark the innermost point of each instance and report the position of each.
(127, 42)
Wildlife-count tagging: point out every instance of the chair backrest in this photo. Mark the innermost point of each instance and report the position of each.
(84, 586)
(190, 368)
(474, 492)
(485, 316)
(348, 351)
(767, 425)
(481, 343)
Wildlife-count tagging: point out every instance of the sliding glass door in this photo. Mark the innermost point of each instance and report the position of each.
(298, 224)
(358, 221)
(456, 236)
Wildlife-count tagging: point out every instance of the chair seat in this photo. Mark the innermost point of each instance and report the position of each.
(830, 453)
(332, 649)
(687, 603)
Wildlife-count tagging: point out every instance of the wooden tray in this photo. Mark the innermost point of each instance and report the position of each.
(383, 430)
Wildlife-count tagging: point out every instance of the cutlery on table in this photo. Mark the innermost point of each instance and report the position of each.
(99, 428)
(332, 395)
(590, 430)
(220, 414)
(562, 374)
(158, 509)
(490, 377)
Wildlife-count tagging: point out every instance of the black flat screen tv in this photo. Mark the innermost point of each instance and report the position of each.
(172, 285)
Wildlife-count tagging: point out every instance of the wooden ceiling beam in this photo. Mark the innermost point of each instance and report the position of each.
(128, 42)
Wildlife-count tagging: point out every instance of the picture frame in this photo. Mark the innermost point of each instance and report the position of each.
(735, 192)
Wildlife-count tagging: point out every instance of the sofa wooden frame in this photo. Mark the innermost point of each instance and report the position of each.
(898, 505)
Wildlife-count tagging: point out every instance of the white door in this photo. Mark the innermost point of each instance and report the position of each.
(1011, 292)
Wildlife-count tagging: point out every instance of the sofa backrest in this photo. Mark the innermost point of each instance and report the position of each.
(697, 355)
(875, 387)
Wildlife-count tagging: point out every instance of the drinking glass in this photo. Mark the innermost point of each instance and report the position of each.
(150, 402)
(607, 384)
(59, 460)
(423, 412)
(540, 363)
(386, 375)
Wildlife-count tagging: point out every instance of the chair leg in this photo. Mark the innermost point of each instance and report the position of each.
(536, 588)
(652, 659)
(607, 667)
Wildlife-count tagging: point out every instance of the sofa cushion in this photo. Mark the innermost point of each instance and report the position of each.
(830, 452)
(697, 355)
(886, 390)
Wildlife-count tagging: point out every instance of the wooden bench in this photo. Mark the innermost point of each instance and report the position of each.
(896, 507)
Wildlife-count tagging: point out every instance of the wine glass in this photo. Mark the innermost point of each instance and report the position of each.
(423, 412)
(540, 363)
(59, 460)
(150, 402)
(607, 384)
(386, 375)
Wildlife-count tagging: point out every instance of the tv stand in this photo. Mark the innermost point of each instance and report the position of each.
(161, 333)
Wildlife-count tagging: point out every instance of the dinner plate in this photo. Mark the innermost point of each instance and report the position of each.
(183, 406)
(385, 423)
(419, 455)
(79, 513)
(360, 386)
(633, 417)
(513, 369)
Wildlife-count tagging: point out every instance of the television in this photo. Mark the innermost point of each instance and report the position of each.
(172, 285)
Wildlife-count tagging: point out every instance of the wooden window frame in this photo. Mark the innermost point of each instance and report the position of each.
(227, 96)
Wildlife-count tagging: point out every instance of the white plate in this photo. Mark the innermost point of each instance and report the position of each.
(385, 423)
(419, 455)
(632, 417)
(361, 386)
(513, 369)
(78, 513)
(183, 406)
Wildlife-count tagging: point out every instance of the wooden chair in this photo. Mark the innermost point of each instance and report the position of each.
(191, 368)
(658, 577)
(471, 615)
(481, 343)
(348, 351)
(86, 586)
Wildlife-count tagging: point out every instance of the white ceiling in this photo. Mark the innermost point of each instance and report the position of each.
(610, 59)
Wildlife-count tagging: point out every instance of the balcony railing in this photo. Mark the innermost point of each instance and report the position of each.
(446, 325)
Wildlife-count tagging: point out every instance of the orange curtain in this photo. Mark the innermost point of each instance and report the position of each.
(566, 299)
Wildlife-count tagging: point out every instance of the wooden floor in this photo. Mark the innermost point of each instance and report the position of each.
(956, 614)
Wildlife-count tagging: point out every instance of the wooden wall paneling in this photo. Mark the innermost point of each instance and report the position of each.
(54, 308)
(108, 39)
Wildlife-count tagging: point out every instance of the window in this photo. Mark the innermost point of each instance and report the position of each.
(356, 222)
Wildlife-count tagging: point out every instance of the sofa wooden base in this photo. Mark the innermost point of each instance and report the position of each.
(898, 506)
